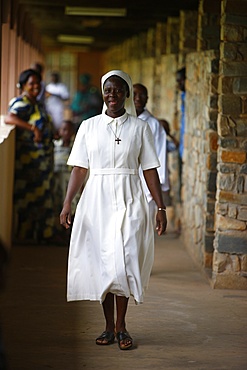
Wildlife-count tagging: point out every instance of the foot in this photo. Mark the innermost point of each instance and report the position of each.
(124, 340)
(107, 337)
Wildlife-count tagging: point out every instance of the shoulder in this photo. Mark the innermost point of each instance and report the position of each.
(152, 118)
(16, 99)
(141, 126)
(89, 123)
(92, 120)
(19, 102)
(50, 88)
(137, 121)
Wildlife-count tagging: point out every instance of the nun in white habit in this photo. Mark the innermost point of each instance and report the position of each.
(112, 242)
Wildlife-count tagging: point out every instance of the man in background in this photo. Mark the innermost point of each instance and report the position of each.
(159, 134)
(56, 95)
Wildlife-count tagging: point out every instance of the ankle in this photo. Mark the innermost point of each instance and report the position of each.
(110, 327)
(120, 327)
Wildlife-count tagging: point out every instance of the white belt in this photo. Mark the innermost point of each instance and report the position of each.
(113, 171)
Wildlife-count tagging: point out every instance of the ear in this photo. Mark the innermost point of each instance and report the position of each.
(128, 94)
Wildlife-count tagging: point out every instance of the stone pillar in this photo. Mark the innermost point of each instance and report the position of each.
(200, 155)
(160, 49)
(172, 35)
(230, 256)
(187, 34)
(208, 25)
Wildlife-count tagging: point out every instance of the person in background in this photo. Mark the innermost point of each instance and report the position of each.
(180, 79)
(112, 241)
(172, 142)
(40, 68)
(34, 158)
(159, 135)
(172, 145)
(62, 149)
(87, 101)
(56, 95)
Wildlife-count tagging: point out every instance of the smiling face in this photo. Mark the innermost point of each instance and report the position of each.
(140, 98)
(32, 87)
(115, 92)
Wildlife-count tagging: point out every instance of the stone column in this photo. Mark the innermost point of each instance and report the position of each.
(230, 256)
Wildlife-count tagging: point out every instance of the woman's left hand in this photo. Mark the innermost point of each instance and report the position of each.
(161, 222)
(37, 138)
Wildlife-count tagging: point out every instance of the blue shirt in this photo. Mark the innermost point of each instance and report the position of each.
(182, 125)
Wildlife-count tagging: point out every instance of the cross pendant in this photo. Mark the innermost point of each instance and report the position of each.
(118, 140)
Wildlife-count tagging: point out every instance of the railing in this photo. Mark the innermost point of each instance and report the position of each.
(4, 129)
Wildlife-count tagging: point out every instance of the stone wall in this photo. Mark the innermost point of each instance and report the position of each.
(200, 155)
(230, 256)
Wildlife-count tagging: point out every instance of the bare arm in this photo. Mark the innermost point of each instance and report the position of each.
(77, 177)
(152, 179)
(13, 119)
(176, 142)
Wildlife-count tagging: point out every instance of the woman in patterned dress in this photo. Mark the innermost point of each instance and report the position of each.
(33, 183)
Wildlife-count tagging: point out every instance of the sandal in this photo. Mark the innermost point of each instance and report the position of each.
(124, 340)
(107, 337)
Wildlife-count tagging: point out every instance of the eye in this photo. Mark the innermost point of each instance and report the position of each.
(113, 91)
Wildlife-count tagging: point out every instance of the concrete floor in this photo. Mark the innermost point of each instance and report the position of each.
(183, 323)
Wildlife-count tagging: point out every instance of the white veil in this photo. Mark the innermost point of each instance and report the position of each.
(129, 102)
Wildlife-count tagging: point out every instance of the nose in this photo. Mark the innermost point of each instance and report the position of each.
(137, 97)
(113, 92)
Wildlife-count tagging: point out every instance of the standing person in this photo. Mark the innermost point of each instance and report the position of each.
(56, 94)
(112, 240)
(87, 101)
(180, 79)
(172, 145)
(62, 149)
(140, 101)
(33, 200)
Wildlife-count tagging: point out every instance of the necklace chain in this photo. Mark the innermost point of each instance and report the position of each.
(117, 137)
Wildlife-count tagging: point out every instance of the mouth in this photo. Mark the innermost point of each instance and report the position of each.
(112, 102)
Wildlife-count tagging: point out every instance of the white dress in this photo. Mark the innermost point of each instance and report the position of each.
(55, 102)
(112, 239)
(159, 135)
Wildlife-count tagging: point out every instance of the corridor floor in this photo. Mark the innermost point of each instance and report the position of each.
(182, 324)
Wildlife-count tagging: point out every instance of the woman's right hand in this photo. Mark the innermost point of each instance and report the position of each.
(65, 216)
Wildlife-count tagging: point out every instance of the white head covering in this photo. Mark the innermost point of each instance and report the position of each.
(129, 102)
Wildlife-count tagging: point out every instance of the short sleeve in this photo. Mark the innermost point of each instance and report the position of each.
(21, 107)
(148, 157)
(79, 155)
(17, 105)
